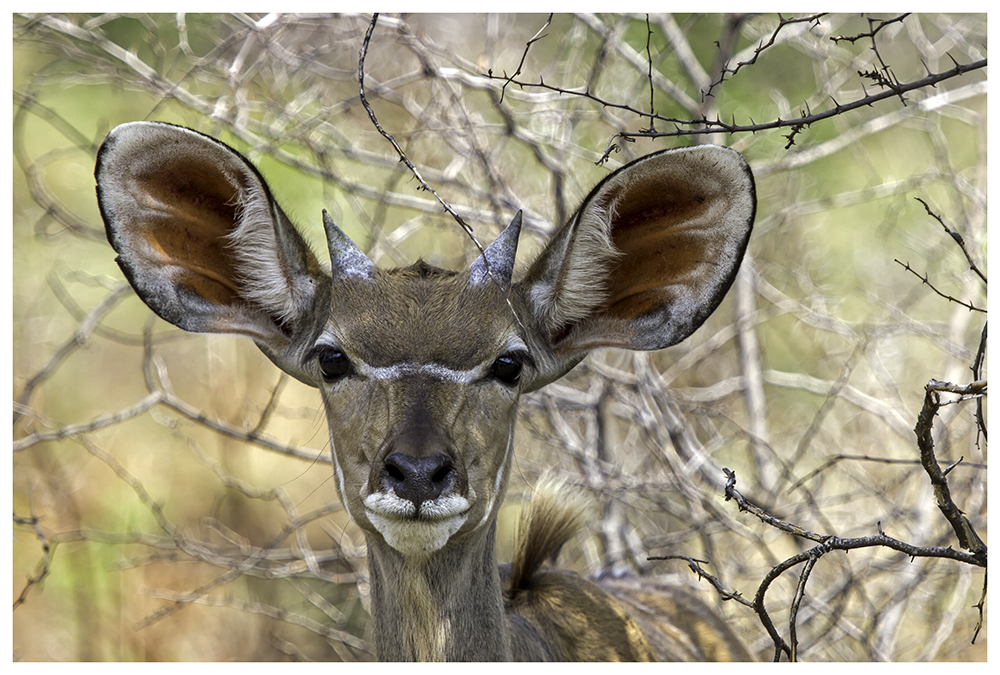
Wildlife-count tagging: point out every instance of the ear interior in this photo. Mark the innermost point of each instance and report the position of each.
(681, 229)
(183, 213)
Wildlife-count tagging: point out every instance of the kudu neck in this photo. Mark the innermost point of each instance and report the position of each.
(447, 605)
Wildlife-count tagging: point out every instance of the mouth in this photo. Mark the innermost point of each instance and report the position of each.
(411, 529)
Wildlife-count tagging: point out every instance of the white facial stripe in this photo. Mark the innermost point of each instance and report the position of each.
(504, 467)
(435, 370)
(338, 472)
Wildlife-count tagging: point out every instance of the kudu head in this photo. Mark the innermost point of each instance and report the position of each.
(420, 369)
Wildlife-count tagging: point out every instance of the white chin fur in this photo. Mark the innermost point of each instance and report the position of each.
(394, 518)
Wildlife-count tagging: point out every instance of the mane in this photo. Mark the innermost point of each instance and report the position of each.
(555, 513)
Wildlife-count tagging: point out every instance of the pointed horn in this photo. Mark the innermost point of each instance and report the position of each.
(346, 259)
(498, 258)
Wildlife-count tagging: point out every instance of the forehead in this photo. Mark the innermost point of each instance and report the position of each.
(420, 314)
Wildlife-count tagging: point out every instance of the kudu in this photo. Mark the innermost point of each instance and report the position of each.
(420, 371)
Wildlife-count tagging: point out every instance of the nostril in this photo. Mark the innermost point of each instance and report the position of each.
(442, 474)
(394, 472)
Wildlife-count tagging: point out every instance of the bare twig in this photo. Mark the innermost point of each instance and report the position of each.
(527, 45)
(761, 47)
(80, 338)
(954, 234)
(48, 551)
(765, 517)
(695, 566)
(924, 278)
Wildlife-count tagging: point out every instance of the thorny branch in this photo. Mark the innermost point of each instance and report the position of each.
(964, 531)
(649, 60)
(883, 77)
(879, 25)
(761, 47)
(977, 374)
(535, 38)
(954, 234)
(925, 279)
(708, 126)
(796, 125)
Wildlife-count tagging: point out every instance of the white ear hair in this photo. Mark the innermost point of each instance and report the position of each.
(570, 293)
(261, 258)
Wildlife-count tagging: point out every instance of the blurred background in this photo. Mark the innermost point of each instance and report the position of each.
(172, 493)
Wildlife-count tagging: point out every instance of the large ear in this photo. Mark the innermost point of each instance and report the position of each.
(201, 240)
(646, 259)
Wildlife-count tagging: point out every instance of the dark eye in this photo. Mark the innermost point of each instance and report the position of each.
(334, 364)
(507, 368)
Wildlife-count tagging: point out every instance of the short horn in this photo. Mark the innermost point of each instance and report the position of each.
(498, 258)
(346, 259)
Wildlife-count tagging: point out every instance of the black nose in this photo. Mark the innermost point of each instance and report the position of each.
(418, 479)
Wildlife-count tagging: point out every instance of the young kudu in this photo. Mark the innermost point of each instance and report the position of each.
(420, 371)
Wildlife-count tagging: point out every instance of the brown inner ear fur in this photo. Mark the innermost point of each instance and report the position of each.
(195, 208)
(657, 251)
(660, 230)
